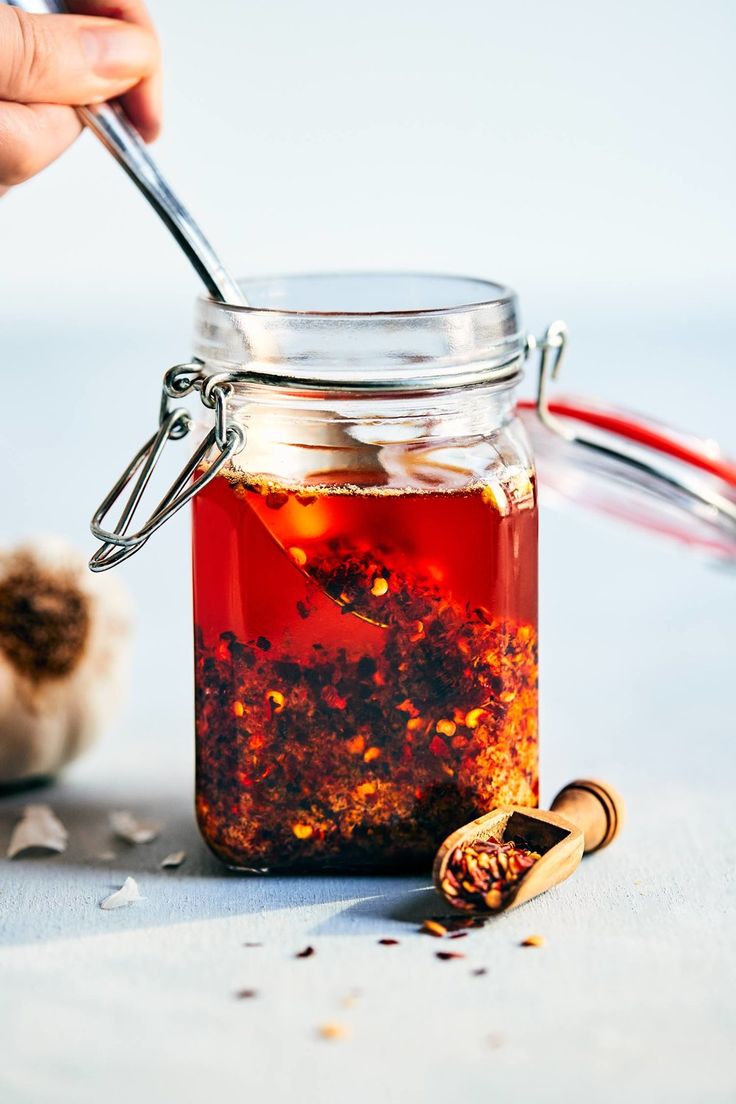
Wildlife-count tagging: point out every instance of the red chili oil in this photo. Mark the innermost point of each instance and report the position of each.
(366, 670)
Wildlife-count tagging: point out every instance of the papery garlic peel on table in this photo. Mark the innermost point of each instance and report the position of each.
(64, 649)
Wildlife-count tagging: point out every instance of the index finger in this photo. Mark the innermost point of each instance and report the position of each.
(143, 103)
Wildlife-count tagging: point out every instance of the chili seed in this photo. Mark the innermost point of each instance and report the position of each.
(431, 927)
(332, 1031)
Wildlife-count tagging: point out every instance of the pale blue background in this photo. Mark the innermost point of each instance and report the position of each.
(583, 154)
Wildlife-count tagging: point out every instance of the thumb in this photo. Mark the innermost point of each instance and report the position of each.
(71, 59)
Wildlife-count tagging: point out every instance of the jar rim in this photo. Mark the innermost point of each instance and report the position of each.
(366, 331)
(505, 295)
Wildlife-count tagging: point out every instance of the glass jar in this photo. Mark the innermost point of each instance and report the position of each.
(365, 556)
(365, 574)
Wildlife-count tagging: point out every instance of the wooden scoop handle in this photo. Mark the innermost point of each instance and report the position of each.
(594, 807)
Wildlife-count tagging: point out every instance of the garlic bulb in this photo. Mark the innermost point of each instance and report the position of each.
(64, 645)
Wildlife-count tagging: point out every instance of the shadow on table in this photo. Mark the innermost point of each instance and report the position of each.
(49, 897)
(407, 899)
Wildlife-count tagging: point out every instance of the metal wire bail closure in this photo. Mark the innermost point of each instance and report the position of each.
(221, 443)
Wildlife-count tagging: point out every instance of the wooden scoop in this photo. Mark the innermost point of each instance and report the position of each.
(586, 815)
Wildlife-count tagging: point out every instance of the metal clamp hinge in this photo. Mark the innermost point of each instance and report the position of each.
(551, 351)
(223, 441)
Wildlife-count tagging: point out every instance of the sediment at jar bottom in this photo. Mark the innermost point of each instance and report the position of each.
(381, 686)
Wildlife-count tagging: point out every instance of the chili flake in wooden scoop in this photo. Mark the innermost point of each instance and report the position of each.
(511, 854)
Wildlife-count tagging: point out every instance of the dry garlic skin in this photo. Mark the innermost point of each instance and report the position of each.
(366, 666)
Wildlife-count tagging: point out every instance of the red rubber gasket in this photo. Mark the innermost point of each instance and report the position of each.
(641, 433)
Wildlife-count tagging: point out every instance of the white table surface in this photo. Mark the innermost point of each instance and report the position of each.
(631, 997)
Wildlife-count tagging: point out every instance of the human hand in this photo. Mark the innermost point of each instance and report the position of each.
(49, 62)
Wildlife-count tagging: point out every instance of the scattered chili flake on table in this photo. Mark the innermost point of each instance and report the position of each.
(533, 941)
(481, 971)
(306, 953)
(370, 682)
(246, 994)
(445, 956)
(388, 942)
(483, 874)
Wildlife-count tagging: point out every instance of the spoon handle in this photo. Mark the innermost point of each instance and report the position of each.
(111, 125)
(594, 807)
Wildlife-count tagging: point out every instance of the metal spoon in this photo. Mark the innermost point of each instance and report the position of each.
(111, 125)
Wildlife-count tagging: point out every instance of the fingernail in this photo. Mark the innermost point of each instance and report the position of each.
(117, 52)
